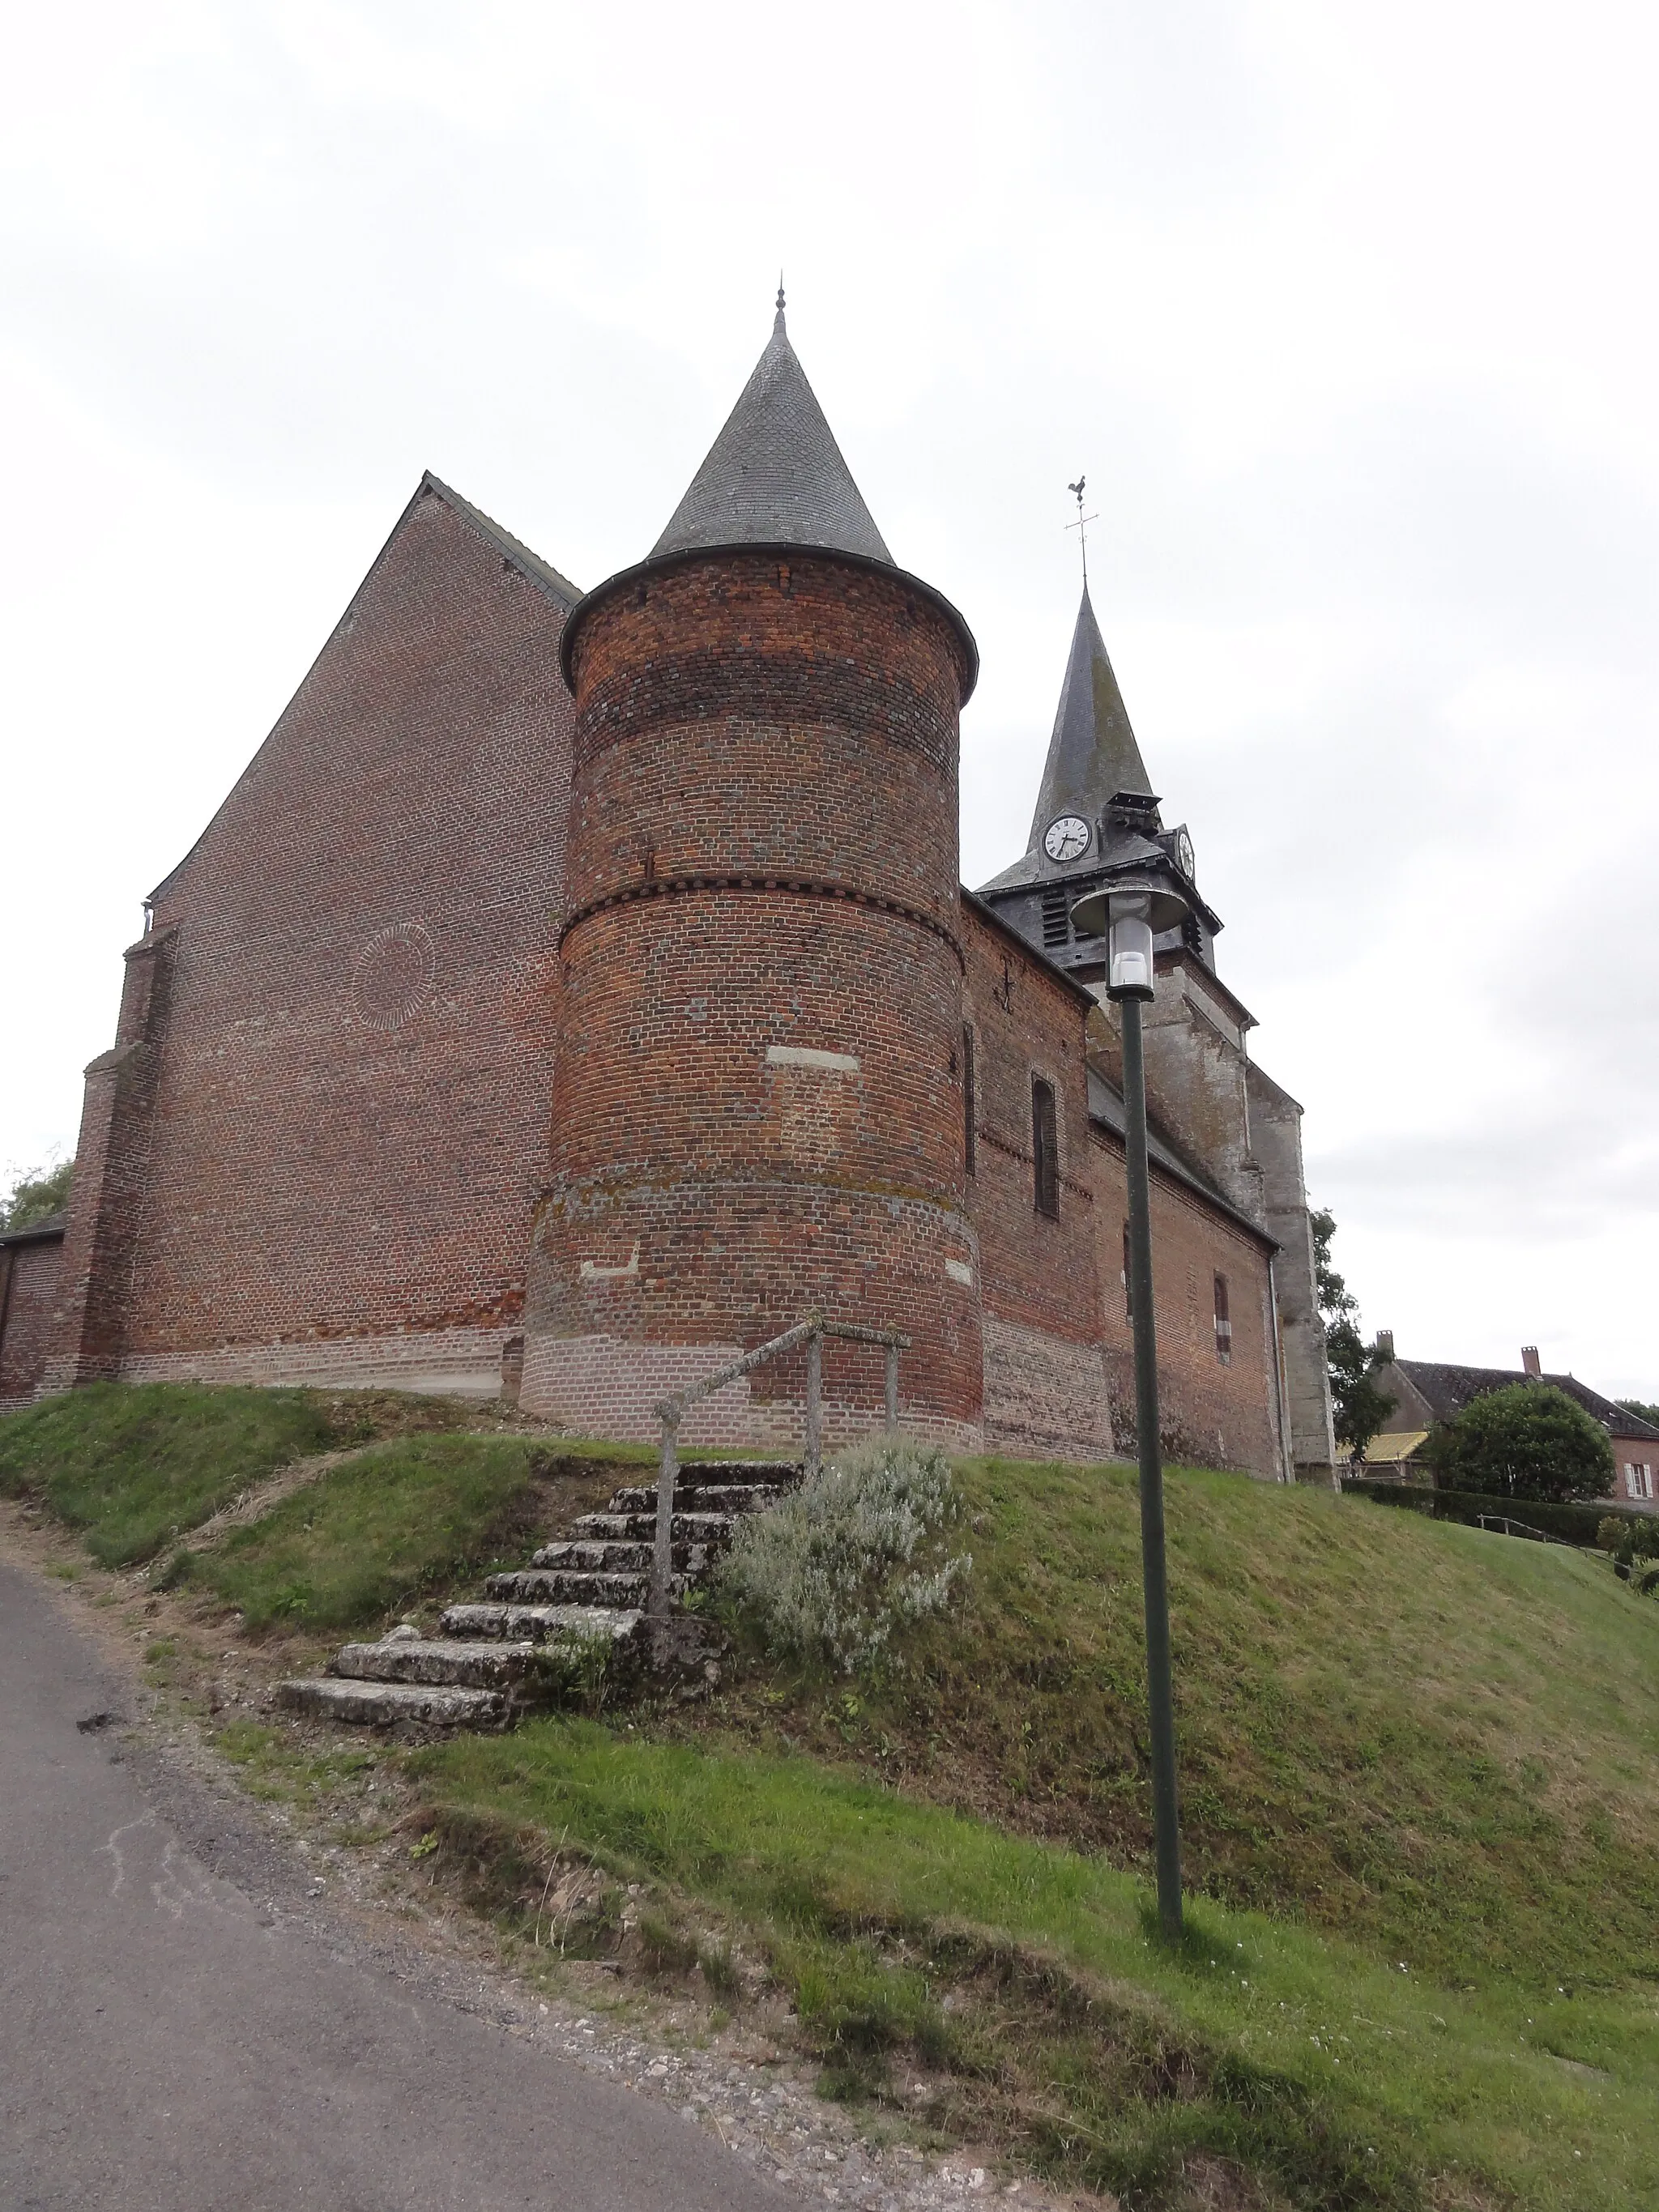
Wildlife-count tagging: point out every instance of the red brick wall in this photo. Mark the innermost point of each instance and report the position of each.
(1045, 1381)
(1217, 1415)
(350, 1072)
(1633, 1451)
(29, 1296)
(1058, 1348)
(762, 865)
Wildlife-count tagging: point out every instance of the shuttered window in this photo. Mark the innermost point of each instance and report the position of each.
(1224, 1324)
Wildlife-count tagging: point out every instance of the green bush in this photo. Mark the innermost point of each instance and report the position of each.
(1634, 1540)
(376, 1533)
(828, 1573)
(134, 1466)
(1528, 1442)
(1571, 1523)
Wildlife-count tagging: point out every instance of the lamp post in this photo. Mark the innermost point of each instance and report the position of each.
(1127, 911)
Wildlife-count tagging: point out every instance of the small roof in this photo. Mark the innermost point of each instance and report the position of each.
(774, 475)
(1445, 1388)
(1388, 1450)
(1092, 755)
(49, 1226)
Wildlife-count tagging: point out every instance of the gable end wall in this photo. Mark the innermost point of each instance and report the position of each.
(343, 1098)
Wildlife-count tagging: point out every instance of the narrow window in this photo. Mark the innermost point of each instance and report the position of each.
(1223, 1327)
(1128, 1280)
(1045, 1153)
(968, 1096)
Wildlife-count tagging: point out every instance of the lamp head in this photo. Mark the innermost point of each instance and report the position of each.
(1128, 912)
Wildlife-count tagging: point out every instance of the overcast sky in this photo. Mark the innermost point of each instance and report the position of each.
(1349, 314)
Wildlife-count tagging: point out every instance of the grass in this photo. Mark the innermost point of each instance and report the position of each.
(1028, 1974)
(1440, 1743)
(133, 1468)
(379, 1532)
(1420, 1770)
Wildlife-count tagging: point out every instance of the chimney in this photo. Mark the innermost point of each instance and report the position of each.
(1529, 1359)
(1385, 1348)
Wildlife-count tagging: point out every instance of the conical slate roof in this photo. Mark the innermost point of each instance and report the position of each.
(774, 475)
(1092, 755)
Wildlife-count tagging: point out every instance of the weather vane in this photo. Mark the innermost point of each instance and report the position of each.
(1081, 526)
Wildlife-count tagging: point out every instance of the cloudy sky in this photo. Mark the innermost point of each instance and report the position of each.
(1349, 312)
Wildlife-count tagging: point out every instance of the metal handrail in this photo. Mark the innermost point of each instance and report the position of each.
(811, 1331)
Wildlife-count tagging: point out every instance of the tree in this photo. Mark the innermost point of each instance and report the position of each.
(1530, 1440)
(1640, 1408)
(1360, 1407)
(34, 1196)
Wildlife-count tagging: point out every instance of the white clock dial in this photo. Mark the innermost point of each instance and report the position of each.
(1067, 837)
(1183, 854)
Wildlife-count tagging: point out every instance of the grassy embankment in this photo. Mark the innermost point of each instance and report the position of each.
(408, 1500)
(1420, 1787)
(1404, 1746)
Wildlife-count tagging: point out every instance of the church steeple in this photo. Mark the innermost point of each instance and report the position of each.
(1093, 759)
(774, 475)
(1092, 755)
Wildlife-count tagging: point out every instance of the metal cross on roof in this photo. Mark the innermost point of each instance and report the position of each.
(1081, 526)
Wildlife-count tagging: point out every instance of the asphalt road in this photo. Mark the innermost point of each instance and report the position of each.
(179, 2032)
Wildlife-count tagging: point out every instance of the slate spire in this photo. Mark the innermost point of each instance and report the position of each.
(774, 475)
(1092, 755)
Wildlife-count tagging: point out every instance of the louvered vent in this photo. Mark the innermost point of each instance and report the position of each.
(1056, 918)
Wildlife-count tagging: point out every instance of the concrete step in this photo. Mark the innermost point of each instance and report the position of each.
(699, 1497)
(611, 1557)
(487, 1666)
(560, 1586)
(377, 1703)
(544, 1624)
(708, 1529)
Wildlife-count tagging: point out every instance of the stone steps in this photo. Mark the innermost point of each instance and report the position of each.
(566, 1586)
(588, 1588)
(619, 1557)
(699, 1497)
(545, 1624)
(608, 1528)
(491, 1665)
(377, 1705)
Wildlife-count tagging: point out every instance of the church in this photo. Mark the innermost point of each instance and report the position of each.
(578, 989)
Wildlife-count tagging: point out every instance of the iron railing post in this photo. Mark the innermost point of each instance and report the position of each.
(662, 1557)
(814, 1401)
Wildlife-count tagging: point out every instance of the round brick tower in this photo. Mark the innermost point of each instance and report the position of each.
(757, 1107)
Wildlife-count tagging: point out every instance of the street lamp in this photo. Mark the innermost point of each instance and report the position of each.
(1138, 899)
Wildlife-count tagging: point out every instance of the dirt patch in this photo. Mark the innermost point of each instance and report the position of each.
(260, 1496)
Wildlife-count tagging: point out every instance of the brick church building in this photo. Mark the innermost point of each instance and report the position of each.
(576, 990)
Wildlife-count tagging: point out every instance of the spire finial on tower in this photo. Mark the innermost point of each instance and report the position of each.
(1081, 525)
(780, 298)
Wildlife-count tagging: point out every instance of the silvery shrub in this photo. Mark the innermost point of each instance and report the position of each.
(858, 1552)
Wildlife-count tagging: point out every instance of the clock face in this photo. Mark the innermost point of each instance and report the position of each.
(1067, 837)
(1183, 854)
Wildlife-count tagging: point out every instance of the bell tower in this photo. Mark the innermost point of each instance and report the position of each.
(757, 1106)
